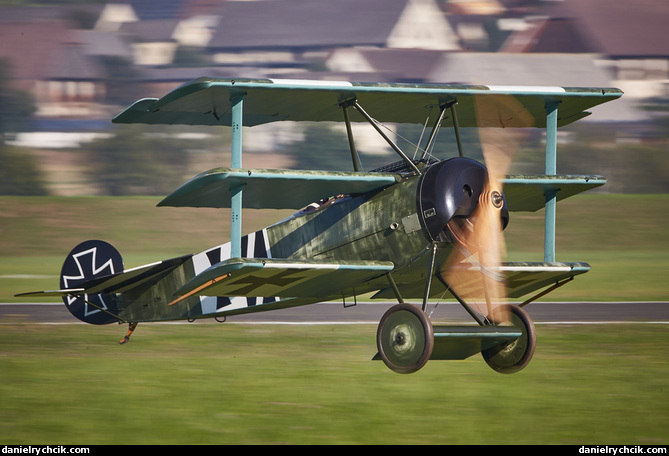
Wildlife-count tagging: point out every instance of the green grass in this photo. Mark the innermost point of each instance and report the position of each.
(267, 384)
(208, 383)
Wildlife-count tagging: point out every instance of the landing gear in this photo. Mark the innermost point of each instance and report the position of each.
(512, 356)
(405, 338)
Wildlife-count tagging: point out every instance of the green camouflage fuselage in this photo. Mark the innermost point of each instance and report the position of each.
(377, 226)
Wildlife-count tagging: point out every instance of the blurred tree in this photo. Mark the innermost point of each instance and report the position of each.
(19, 171)
(321, 149)
(139, 161)
(122, 81)
(16, 107)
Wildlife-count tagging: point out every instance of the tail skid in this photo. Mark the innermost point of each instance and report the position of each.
(131, 329)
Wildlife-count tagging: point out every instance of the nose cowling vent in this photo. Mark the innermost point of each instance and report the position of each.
(452, 189)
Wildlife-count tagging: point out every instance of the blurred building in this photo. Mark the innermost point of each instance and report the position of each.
(73, 58)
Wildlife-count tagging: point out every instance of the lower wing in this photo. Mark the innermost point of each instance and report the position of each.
(521, 279)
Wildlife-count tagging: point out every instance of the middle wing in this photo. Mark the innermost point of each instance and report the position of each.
(273, 189)
(528, 193)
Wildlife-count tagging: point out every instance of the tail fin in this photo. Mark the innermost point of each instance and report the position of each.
(87, 261)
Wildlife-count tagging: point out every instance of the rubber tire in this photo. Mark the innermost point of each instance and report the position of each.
(513, 356)
(405, 338)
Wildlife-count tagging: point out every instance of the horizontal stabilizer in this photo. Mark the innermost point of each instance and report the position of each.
(130, 278)
(263, 277)
(51, 293)
(273, 189)
(115, 283)
(528, 193)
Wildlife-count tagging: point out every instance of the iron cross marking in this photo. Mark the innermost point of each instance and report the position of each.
(280, 279)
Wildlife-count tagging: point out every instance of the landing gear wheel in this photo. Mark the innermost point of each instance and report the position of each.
(512, 356)
(405, 338)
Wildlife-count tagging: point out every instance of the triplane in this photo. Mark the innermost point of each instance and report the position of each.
(417, 229)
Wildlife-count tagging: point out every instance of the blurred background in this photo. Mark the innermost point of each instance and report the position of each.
(67, 174)
(67, 67)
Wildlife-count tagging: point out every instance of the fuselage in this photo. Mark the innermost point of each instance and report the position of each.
(379, 226)
(361, 227)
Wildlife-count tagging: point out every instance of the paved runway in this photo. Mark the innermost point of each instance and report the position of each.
(371, 312)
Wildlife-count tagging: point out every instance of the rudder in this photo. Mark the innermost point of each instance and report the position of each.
(87, 261)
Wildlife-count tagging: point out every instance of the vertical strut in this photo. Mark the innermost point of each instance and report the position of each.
(551, 169)
(236, 191)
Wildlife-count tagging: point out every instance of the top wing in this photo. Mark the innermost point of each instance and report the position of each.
(207, 101)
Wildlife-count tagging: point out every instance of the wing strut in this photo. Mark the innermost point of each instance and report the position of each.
(373, 123)
(433, 133)
(236, 190)
(551, 169)
(351, 141)
(456, 127)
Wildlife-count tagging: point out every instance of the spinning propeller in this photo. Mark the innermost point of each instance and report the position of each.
(472, 270)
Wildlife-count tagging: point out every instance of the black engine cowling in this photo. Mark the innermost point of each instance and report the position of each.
(448, 190)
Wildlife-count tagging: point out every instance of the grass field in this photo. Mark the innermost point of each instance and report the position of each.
(207, 383)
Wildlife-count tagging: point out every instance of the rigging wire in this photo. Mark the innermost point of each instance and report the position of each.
(408, 141)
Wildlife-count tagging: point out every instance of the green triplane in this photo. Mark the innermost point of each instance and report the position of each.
(417, 229)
